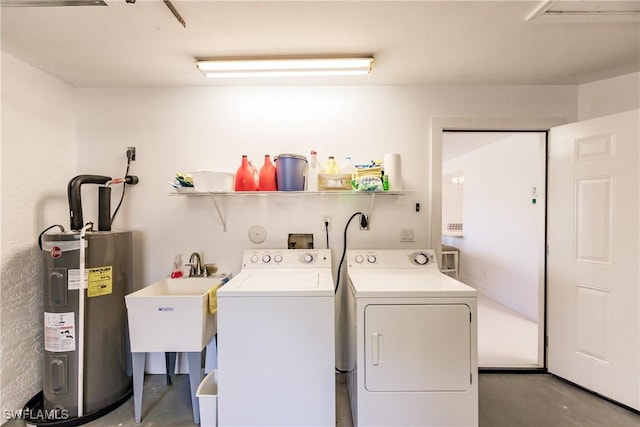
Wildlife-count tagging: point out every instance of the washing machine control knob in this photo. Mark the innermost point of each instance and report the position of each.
(359, 259)
(421, 259)
(371, 259)
(277, 258)
(254, 258)
(266, 258)
(308, 258)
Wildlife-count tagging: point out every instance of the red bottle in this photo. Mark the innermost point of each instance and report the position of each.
(267, 180)
(246, 176)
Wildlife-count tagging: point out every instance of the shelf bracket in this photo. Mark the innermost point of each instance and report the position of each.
(222, 218)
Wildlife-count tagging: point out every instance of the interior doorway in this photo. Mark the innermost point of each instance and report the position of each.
(493, 216)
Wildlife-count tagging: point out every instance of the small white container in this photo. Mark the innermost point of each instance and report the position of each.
(184, 189)
(211, 181)
(207, 394)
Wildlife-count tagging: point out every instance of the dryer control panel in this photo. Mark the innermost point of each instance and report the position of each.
(392, 258)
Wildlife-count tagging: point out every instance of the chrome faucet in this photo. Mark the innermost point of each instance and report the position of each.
(195, 265)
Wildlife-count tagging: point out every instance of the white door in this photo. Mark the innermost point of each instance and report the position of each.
(593, 261)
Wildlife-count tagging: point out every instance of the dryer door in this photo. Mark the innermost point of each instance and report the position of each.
(423, 347)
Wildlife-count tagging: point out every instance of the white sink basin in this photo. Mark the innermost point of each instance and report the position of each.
(172, 315)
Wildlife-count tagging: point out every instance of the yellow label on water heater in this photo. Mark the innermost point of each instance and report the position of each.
(99, 281)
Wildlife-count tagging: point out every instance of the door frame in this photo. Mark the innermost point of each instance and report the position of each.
(514, 124)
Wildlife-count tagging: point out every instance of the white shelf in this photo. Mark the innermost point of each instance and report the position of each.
(290, 193)
(215, 194)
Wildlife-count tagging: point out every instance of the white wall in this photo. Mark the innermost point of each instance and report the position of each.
(609, 96)
(38, 158)
(500, 253)
(189, 129)
(452, 199)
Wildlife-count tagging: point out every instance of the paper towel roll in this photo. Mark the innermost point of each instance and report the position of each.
(392, 165)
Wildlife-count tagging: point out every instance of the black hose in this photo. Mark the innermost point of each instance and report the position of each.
(344, 250)
(47, 229)
(326, 229)
(124, 188)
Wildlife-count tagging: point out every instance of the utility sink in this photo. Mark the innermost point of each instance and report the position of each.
(172, 315)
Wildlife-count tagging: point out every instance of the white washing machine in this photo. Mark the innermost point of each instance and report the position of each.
(412, 341)
(276, 341)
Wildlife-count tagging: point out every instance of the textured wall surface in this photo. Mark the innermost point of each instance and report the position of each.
(21, 324)
(38, 159)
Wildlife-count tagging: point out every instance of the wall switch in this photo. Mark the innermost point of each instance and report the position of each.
(406, 235)
(326, 223)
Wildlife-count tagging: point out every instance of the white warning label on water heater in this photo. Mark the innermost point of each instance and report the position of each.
(74, 279)
(59, 332)
(97, 280)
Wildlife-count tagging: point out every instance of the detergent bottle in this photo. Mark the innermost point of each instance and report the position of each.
(331, 167)
(176, 271)
(267, 178)
(246, 176)
(312, 172)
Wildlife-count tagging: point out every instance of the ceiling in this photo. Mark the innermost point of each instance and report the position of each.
(414, 42)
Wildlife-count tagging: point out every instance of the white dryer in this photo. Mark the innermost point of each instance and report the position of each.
(276, 341)
(412, 341)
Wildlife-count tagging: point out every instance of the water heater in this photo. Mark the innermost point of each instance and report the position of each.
(87, 359)
(106, 370)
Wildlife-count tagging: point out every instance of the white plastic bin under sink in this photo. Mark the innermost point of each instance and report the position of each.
(208, 395)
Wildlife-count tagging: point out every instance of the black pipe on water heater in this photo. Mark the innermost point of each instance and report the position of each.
(104, 199)
(104, 209)
(75, 198)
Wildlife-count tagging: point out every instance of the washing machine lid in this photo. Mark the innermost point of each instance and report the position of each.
(404, 283)
(280, 282)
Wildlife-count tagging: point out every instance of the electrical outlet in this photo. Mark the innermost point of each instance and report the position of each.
(364, 222)
(326, 223)
(406, 235)
(131, 151)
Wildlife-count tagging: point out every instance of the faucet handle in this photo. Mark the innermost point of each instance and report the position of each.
(193, 269)
(209, 269)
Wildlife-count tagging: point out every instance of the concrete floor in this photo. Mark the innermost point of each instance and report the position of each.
(506, 400)
(542, 400)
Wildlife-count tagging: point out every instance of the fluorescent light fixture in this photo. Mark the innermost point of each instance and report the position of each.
(46, 3)
(226, 68)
